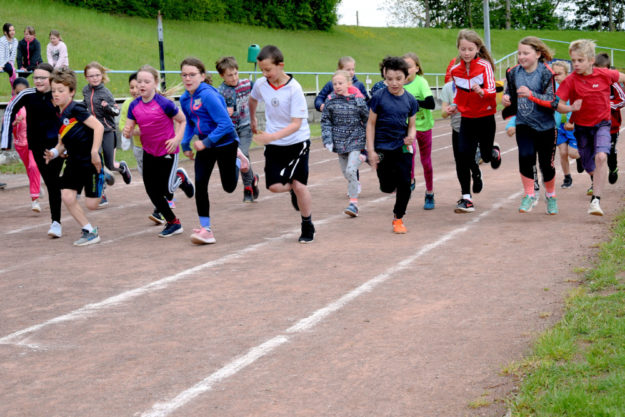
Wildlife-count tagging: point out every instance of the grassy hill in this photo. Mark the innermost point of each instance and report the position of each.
(126, 43)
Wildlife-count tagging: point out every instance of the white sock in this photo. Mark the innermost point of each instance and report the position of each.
(466, 197)
(88, 227)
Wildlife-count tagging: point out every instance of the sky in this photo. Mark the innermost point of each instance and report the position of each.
(368, 15)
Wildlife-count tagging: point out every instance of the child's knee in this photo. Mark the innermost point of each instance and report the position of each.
(68, 197)
(92, 203)
(601, 157)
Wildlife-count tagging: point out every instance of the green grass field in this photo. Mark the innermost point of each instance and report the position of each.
(126, 43)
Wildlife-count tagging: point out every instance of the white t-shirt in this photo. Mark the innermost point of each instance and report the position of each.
(281, 105)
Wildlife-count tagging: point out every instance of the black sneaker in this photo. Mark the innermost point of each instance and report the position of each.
(478, 184)
(3, 185)
(247, 195)
(568, 182)
(173, 228)
(308, 233)
(186, 184)
(613, 176)
(495, 161)
(580, 167)
(108, 177)
(125, 172)
(464, 206)
(157, 217)
(294, 200)
(255, 189)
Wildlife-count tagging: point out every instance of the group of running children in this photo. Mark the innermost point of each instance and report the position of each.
(383, 130)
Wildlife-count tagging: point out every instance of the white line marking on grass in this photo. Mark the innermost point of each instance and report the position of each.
(165, 408)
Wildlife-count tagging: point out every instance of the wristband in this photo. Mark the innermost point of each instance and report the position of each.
(55, 152)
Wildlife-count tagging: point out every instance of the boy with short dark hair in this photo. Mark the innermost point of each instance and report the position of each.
(237, 94)
(588, 88)
(287, 135)
(80, 136)
(390, 132)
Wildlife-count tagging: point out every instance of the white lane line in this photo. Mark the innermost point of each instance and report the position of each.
(165, 408)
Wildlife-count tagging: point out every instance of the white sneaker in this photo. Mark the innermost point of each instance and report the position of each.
(55, 230)
(36, 207)
(595, 208)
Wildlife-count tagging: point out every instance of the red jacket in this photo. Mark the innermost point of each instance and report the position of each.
(469, 103)
(617, 101)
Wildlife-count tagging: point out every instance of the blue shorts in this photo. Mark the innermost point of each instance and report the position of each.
(592, 140)
(566, 136)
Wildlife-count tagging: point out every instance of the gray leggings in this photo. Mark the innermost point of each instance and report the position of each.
(109, 142)
(349, 163)
(245, 140)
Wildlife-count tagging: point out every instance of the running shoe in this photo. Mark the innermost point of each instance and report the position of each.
(104, 202)
(255, 189)
(478, 156)
(413, 184)
(157, 217)
(580, 166)
(478, 184)
(171, 228)
(125, 171)
(35, 206)
(527, 204)
(464, 206)
(3, 185)
(247, 195)
(398, 227)
(595, 208)
(568, 182)
(88, 238)
(186, 184)
(429, 202)
(351, 210)
(589, 191)
(55, 230)
(294, 200)
(108, 176)
(308, 232)
(613, 176)
(552, 206)
(202, 236)
(495, 161)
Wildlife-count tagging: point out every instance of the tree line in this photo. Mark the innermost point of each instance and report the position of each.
(600, 15)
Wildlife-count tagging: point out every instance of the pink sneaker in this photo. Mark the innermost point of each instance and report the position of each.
(245, 163)
(202, 236)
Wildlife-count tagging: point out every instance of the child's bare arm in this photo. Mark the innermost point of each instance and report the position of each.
(98, 132)
(179, 126)
(370, 133)
(253, 103)
(265, 138)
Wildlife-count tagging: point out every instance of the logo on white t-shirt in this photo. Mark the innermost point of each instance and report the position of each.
(275, 102)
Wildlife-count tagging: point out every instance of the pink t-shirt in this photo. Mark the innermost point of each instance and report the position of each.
(594, 90)
(155, 120)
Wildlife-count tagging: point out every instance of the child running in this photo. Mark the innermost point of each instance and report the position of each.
(42, 130)
(155, 115)
(566, 142)
(21, 146)
(207, 117)
(101, 104)
(617, 102)
(474, 77)
(390, 132)
(418, 86)
(530, 91)
(588, 88)
(237, 94)
(343, 124)
(287, 139)
(80, 135)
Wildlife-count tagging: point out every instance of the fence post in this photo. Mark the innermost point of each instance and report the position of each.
(161, 52)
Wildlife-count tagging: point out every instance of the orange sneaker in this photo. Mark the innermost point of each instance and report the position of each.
(398, 226)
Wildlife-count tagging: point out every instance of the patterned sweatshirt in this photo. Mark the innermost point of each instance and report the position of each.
(343, 123)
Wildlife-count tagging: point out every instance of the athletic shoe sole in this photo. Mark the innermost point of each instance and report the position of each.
(177, 232)
(464, 210)
(156, 220)
(199, 241)
(88, 242)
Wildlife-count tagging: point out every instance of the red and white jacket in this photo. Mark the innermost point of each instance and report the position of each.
(469, 103)
(617, 102)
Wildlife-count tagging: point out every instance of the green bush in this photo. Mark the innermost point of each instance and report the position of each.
(279, 14)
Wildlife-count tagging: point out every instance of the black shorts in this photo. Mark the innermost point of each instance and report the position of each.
(284, 164)
(79, 177)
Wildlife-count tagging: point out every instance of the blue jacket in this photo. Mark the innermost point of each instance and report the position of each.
(329, 88)
(207, 117)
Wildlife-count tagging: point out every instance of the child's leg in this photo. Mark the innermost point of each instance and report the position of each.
(245, 138)
(485, 128)
(70, 201)
(157, 174)
(109, 140)
(546, 147)
(204, 164)
(414, 157)
(527, 157)
(424, 139)
(34, 178)
(563, 150)
(304, 198)
(602, 149)
(351, 173)
(467, 145)
(612, 161)
(50, 172)
(228, 164)
(402, 180)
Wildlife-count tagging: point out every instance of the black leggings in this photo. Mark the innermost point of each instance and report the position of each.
(473, 132)
(226, 159)
(532, 142)
(394, 175)
(475, 168)
(612, 161)
(50, 173)
(160, 181)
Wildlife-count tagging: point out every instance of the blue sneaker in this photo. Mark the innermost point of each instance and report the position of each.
(88, 238)
(173, 228)
(527, 204)
(429, 202)
(351, 210)
(552, 206)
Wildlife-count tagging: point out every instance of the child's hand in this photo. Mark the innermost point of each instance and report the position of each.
(505, 100)
(374, 159)
(253, 124)
(451, 109)
(577, 104)
(95, 160)
(48, 155)
(569, 126)
(171, 145)
(230, 110)
(477, 89)
(104, 103)
(511, 131)
(262, 138)
(524, 92)
(127, 131)
(189, 154)
(17, 120)
(408, 140)
(199, 145)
